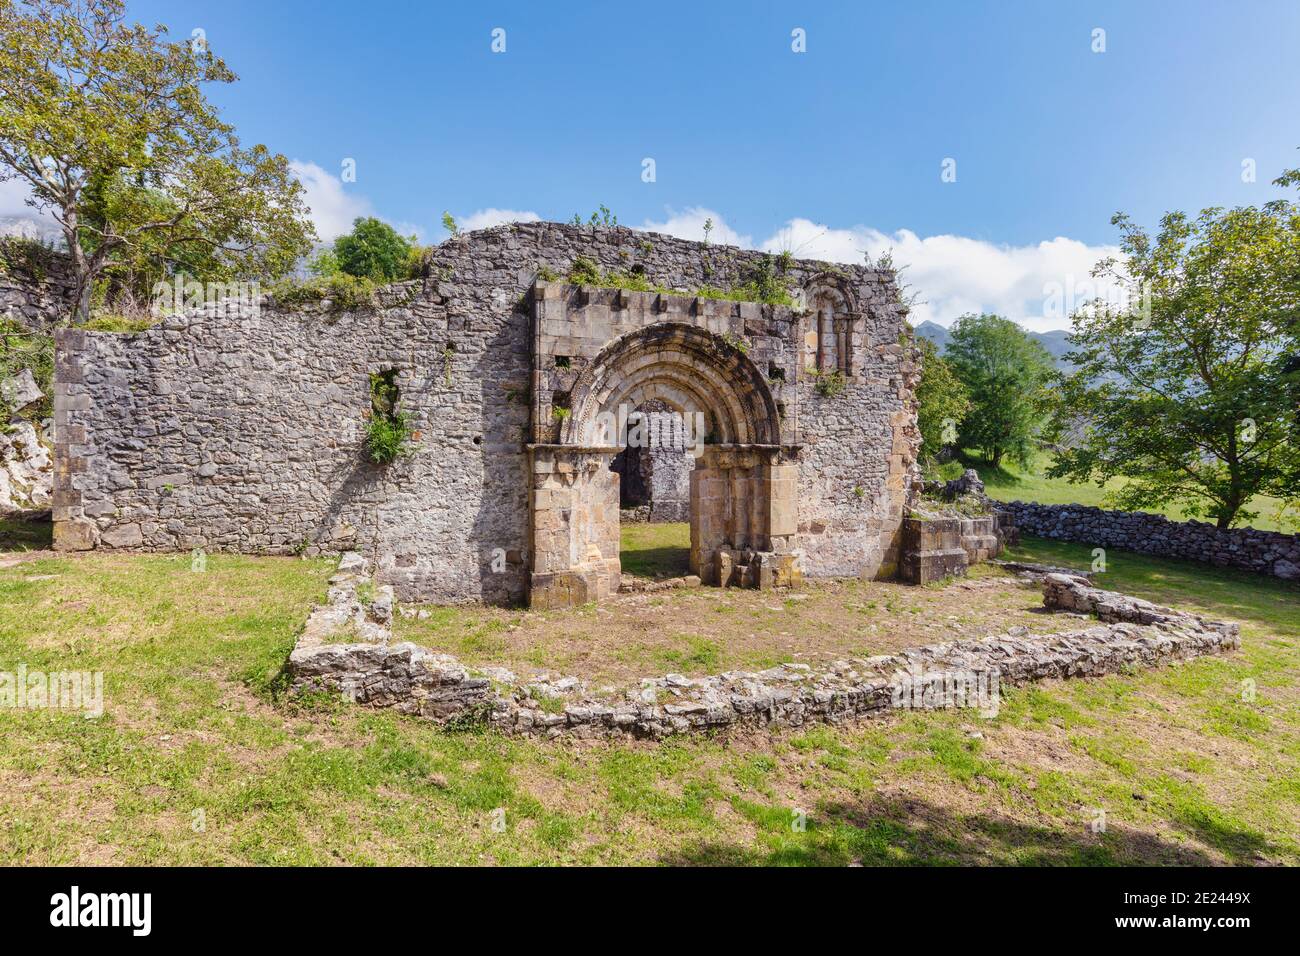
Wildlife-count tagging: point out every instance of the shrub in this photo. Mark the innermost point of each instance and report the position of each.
(387, 437)
(21, 349)
(829, 384)
(388, 432)
(343, 292)
(111, 322)
(373, 250)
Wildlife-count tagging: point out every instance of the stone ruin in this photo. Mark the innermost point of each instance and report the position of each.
(242, 428)
(347, 649)
(950, 526)
(655, 474)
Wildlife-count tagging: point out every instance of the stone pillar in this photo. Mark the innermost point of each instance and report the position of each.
(744, 516)
(574, 526)
(73, 531)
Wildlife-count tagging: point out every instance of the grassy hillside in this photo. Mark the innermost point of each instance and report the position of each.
(1012, 483)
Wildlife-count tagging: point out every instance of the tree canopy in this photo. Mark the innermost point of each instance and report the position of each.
(942, 401)
(373, 250)
(1007, 375)
(1189, 391)
(107, 123)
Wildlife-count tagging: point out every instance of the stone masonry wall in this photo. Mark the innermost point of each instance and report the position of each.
(1265, 552)
(36, 288)
(242, 430)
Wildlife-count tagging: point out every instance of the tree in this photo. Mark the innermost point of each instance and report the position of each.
(942, 401)
(1007, 375)
(107, 123)
(373, 250)
(1190, 391)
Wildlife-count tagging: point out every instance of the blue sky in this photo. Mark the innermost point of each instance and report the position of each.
(828, 152)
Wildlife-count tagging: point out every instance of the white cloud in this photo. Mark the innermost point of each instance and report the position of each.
(1037, 285)
(487, 218)
(332, 207)
(689, 224)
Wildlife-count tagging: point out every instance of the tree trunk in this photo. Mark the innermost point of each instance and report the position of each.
(83, 280)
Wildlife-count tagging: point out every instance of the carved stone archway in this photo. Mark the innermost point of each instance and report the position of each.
(743, 486)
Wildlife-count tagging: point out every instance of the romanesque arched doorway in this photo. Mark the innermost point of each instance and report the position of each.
(743, 508)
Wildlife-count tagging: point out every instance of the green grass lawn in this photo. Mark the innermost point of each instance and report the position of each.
(197, 760)
(1010, 482)
(660, 550)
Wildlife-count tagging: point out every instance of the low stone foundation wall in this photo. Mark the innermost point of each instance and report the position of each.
(1264, 552)
(937, 548)
(417, 681)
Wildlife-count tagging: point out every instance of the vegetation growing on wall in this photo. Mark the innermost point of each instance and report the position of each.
(123, 324)
(764, 282)
(829, 383)
(388, 433)
(601, 217)
(343, 292)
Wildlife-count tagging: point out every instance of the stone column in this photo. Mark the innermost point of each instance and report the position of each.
(744, 516)
(574, 526)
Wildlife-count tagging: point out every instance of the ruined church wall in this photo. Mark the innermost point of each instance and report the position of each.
(243, 432)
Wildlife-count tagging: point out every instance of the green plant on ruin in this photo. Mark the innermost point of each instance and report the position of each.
(601, 217)
(561, 414)
(828, 383)
(343, 292)
(449, 223)
(388, 433)
(547, 274)
(27, 256)
(763, 283)
(735, 341)
(584, 271)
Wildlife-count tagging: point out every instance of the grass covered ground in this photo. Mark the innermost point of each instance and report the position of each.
(196, 759)
(705, 630)
(1010, 482)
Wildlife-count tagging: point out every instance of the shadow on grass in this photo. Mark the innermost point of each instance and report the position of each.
(665, 562)
(912, 832)
(22, 532)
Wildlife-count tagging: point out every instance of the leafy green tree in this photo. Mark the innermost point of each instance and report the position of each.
(1189, 392)
(942, 401)
(1006, 374)
(107, 123)
(373, 250)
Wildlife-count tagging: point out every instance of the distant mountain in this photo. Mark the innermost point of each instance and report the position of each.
(24, 227)
(1057, 341)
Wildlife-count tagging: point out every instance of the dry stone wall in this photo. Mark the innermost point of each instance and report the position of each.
(372, 671)
(1264, 552)
(241, 429)
(36, 288)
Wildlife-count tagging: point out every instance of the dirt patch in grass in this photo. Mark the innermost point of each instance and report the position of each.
(699, 631)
